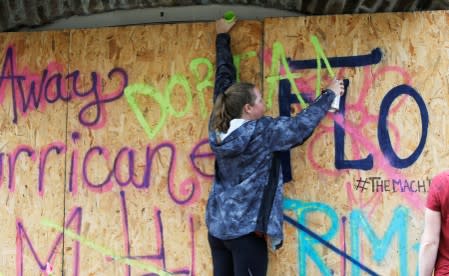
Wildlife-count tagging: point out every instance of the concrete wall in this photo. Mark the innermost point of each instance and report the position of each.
(15, 14)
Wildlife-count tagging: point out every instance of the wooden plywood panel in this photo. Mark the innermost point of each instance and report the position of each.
(32, 160)
(153, 132)
(137, 166)
(366, 203)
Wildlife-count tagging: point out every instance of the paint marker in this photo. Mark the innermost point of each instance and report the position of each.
(229, 17)
(335, 105)
(49, 269)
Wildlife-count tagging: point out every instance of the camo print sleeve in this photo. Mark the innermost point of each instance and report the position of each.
(284, 133)
(225, 74)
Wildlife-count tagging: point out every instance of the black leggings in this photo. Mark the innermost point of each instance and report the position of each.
(243, 256)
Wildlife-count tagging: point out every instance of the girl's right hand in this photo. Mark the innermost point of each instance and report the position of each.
(337, 86)
(222, 26)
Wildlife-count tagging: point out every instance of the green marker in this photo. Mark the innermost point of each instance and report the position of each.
(229, 16)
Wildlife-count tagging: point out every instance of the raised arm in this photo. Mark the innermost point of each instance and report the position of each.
(287, 132)
(225, 74)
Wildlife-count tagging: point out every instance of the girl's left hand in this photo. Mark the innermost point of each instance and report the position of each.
(222, 26)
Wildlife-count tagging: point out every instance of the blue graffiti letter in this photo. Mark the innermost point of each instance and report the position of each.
(399, 224)
(382, 132)
(306, 244)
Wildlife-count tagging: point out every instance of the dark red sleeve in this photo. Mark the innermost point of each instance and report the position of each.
(433, 198)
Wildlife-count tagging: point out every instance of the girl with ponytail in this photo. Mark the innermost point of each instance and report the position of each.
(244, 209)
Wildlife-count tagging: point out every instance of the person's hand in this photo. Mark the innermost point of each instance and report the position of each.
(222, 26)
(337, 87)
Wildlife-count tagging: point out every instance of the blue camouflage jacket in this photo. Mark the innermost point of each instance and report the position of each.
(247, 190)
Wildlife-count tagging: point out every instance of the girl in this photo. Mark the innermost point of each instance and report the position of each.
(244, 208)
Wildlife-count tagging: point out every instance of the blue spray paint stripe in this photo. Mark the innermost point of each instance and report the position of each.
(284, 101)
(328, 245)
(350, 61)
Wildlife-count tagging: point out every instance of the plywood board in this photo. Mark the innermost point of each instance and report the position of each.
(151, 136)
(129, 185)
(361, 189)
(32, 149)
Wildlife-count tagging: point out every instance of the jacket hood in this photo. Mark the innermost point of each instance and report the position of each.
(235, 143)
